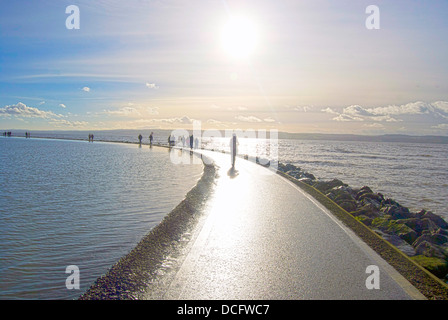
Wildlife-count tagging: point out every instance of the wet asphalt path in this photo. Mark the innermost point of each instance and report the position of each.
(264, 238)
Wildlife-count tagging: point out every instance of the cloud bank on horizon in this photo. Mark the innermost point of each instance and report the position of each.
(312, 66)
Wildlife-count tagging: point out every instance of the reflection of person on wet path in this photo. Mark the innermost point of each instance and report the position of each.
(233, 148)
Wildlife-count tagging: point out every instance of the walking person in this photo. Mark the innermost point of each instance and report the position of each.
(150, 139)
(233, 148)
(140, 138)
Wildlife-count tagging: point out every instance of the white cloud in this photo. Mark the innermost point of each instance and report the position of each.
(329, 110)
(248, 119)
(22, 110)
(67, 123)
(347, 117)
(86, 89)
(375, 125)
(132, 110)
(152, 85)
(443, 126)
(268, 120)
(62, 105)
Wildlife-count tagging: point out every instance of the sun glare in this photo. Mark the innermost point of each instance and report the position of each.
(239, 37)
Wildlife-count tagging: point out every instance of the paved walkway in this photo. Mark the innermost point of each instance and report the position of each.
(264, 238)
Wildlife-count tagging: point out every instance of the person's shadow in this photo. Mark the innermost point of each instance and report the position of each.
(232, 173)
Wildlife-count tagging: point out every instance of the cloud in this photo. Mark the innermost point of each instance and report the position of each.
(375, 125)
(86, 89)
(132, 110)
(443, 126)
(248, 119)
(347, 117)
(299, 108)
(329, 110)
(22, 110)
(62, 105)
(152, 85)
(181, 120)
(67, 123)
(437, 109)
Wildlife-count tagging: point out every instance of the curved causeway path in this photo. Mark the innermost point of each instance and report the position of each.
(264, 238)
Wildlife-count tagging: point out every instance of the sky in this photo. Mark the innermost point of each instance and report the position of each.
(318, 66)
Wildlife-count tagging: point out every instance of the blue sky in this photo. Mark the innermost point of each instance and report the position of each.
(315, 66)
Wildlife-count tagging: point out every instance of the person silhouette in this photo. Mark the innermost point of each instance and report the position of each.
(150, 139)
(233, 148)
(140, 138)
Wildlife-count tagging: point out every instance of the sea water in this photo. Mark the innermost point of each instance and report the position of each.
(77, 203)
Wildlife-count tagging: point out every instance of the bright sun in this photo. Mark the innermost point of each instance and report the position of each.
(239, 37)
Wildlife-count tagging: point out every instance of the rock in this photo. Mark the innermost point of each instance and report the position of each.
(436, 266)
(366, 220)
(398, 212)
(362, 191)
(366, 210)
(436, 219)
(410, 237)
(419, 225)
(430, 250)
(325, 186)
(347, 205)
(307, 181)
(442, 232)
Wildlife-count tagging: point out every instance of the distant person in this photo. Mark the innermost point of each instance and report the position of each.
(150, 139)
(233, 148)
(196, 143)
(191, 142)
(140, 138)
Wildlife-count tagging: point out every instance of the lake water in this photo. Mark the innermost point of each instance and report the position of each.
(78, 203)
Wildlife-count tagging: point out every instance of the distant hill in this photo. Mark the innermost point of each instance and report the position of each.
(353, 137)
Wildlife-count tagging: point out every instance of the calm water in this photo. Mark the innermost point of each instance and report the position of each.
(77, 203)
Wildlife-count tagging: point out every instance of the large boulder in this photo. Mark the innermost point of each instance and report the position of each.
(420, 225)
(364, 190)
(366, 210)
(325, 186)
(429, 249)
(436, 219)
(398, 212)
(436, 266)
(394, 227)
